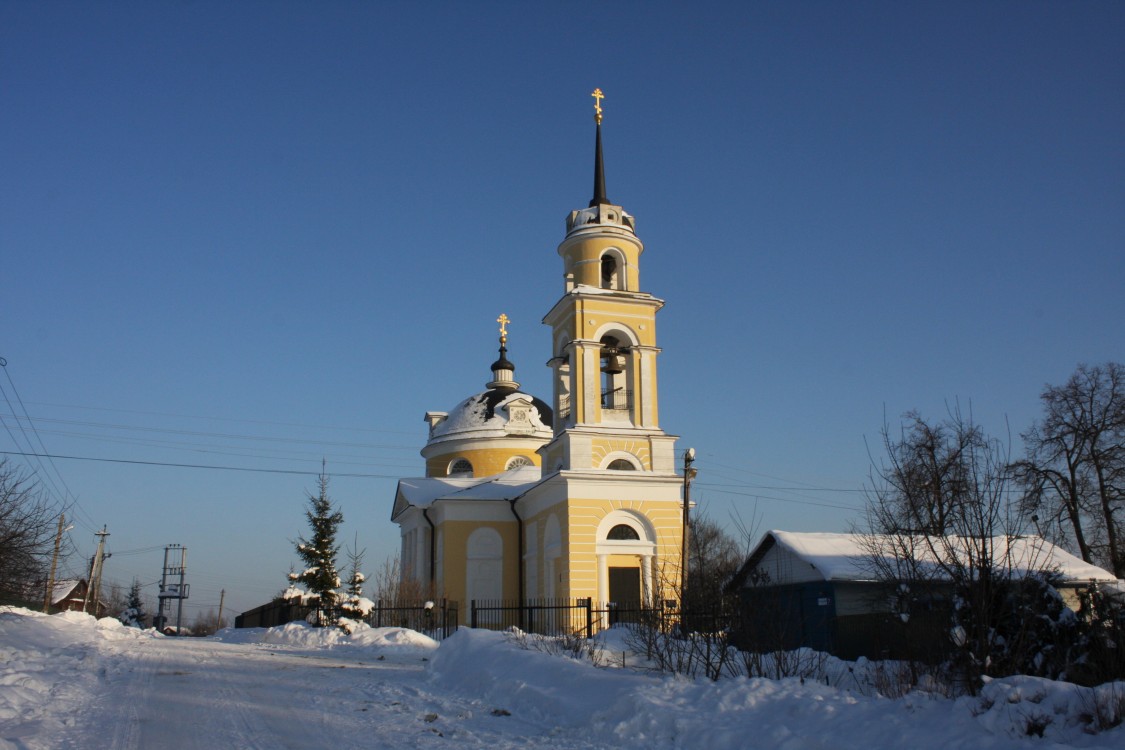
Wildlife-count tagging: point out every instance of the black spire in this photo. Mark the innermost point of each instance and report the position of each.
(599, 170)
(503, 371)
(503, 363)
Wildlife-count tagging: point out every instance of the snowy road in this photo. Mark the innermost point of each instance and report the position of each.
(193, 693)
(72, 683)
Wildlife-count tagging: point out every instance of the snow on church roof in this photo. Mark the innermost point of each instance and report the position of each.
(848, 557)
(423, 492)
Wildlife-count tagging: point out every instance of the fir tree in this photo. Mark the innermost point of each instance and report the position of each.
(320, 578)
(355, 605)
(134, 614)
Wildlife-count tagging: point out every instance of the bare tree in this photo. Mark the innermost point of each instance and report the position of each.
(1073, 474)
(116, 599)
(207, 623)
(392, 589)
(923, 483)
(940, 519)
(27, 534)
(715, 557)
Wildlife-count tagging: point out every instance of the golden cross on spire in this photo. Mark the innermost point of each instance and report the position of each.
(598, 96)
(503, 320)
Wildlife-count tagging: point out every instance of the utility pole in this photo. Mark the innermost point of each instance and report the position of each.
(103, 556)
(54, 566)
(95, 572)
(222, 597)
(689, 474)
(183, 593)
(173, 569)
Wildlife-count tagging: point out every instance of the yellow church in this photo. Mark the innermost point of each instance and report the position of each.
(526, 500)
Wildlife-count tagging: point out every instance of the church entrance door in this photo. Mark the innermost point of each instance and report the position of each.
(624, 595)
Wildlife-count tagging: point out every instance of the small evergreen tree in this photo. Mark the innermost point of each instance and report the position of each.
(355, 606)
(320, 578)
(134, 615)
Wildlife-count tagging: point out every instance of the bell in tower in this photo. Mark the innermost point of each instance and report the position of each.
(613, 357)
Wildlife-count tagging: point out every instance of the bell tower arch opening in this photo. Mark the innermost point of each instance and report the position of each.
(613, 264)
(614, 375)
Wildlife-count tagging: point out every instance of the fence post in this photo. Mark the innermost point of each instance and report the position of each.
(589, 617)
(473, 613)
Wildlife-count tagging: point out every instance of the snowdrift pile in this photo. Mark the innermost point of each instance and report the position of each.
(627, 708)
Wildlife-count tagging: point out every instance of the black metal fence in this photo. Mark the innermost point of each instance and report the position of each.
(582, 617)
(437, 618)
(586, 618)
(277, 612)
(543, 616)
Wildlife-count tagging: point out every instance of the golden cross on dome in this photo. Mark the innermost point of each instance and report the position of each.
(598, 96)
(503, 320)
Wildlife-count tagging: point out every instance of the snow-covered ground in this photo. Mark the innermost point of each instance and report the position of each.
(68, 681)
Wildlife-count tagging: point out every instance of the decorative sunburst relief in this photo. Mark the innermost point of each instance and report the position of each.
(621, 455)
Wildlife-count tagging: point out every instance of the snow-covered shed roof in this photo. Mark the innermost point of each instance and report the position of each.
(852, 557)
(424, 492)
(65, 589)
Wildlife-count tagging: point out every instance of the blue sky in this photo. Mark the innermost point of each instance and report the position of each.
(254, 235)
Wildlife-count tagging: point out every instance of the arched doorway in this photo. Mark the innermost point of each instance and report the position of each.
(626, 552)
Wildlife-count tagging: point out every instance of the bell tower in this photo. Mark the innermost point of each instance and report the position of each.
(604, 344)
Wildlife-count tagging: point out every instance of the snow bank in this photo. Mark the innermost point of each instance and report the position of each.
(630, 709)
(484, 687)
(47, 662)
(304, 636)
(528, 683)
(1035, 706)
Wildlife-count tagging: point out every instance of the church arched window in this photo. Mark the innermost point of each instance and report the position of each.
(620, 464)
(516, 462)
(622, 532)
(461, 467)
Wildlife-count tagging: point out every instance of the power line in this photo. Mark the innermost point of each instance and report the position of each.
(142, 550)
(783, 499)
(224, 419)
(780, 487)
(201, 466)
(41, 471)
(68, 501)
(742, 470)
(233, 436)
(232, 450)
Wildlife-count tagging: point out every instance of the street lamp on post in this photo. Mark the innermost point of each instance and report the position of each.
(689, 474)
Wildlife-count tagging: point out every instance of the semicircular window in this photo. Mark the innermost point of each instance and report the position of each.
(516, 462)
(623, 531)
(461, 467)
(620, 464)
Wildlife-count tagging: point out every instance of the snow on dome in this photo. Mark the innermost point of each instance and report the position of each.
(489, 413)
